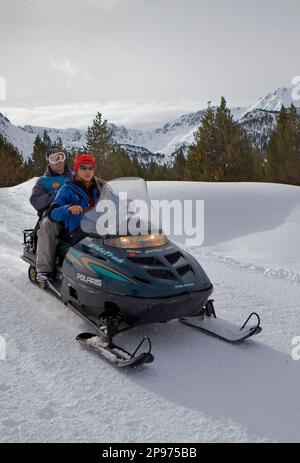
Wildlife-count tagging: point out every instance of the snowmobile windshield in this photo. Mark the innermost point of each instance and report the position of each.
(124, 215)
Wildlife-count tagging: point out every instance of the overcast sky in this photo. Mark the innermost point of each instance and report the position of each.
(141, 62)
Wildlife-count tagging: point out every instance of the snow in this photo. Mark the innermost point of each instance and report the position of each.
(273, 101)
(255, 219)
(198, 389)
(17, 136)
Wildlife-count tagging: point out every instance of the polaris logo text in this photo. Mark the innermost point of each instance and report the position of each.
(90, 280)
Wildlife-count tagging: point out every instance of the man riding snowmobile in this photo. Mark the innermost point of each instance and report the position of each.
(45, 189)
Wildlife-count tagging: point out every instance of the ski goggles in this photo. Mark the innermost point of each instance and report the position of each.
(86, 167)
(55, 158)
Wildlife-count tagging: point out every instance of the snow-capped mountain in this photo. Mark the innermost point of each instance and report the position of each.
(259, 124)
(274, 101)
(165, 139)
(70, 137)
(258, 119)
(17, 136)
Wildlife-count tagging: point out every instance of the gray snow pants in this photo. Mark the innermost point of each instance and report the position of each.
(46, 245)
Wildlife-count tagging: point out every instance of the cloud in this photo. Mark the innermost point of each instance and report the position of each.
(74, 6)
(104, 4)
(67, 67)
(143, 115)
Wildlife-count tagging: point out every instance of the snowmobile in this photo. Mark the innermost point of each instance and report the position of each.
(116, 280)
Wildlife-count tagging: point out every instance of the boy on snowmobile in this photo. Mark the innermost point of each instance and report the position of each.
(73, 198)
(47, 186)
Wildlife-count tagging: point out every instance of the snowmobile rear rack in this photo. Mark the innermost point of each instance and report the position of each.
(28, 239)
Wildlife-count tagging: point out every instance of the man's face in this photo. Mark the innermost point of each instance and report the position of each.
(85, 173)
(57, 162)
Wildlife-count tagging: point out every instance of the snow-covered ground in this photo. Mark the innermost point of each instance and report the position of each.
(198, 388)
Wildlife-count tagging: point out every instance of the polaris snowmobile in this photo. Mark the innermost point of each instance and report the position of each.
(116, 280)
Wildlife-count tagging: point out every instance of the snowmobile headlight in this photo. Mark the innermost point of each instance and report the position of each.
(139, 241)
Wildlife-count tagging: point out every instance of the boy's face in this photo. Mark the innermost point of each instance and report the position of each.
(85, 173)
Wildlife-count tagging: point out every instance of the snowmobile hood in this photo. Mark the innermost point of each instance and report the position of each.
(163, 271)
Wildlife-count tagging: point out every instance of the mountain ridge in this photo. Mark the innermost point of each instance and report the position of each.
(162, 142)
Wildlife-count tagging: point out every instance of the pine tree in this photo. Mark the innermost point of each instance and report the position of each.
(11, 164)
(59, 143)
(39, 158)
(70, 154)
(119, 164)
(222, 150)
(179, 165)
(136, 167)
(47, 141)
(293, 160)
(28, 169)
(100, 143)
(202, 156)
(283, 153)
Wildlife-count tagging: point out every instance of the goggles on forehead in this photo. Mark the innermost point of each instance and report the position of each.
(55, 158)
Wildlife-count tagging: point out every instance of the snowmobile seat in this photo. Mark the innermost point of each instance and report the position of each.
(72, 238)
(66, 240)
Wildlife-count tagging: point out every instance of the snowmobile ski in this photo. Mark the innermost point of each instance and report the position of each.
(209, 323)
(114, 354)
(102, 341)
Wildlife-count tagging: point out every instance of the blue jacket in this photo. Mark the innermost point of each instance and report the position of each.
(46, 187)
(70, 194)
